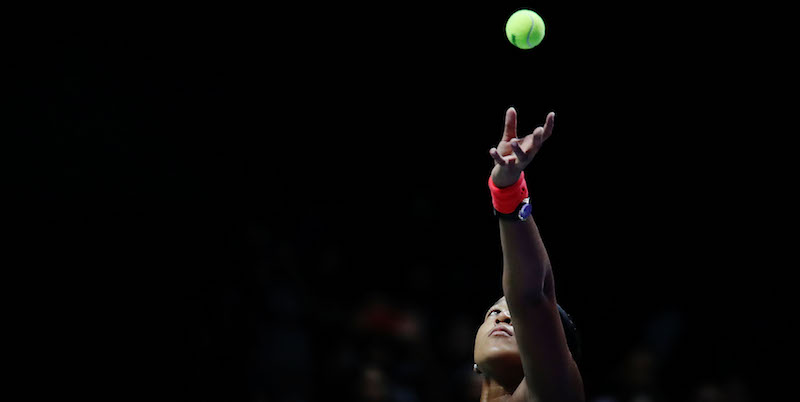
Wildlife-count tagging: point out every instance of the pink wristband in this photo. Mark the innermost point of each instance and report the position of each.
(507, 199)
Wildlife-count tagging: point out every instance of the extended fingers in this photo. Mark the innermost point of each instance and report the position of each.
(523, 149)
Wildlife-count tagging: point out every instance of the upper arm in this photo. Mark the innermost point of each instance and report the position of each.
(550, 371)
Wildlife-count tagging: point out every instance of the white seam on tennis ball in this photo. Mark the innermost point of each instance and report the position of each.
(531, 31)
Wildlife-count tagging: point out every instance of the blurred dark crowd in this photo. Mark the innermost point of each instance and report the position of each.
(284, 206)
(408, 334)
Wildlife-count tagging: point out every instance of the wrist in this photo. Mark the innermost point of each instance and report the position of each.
(504, 177)
(508, 198)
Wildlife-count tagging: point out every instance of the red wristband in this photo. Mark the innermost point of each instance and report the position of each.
(507, 199)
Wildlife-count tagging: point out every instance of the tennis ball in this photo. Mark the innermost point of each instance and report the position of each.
(525, 29)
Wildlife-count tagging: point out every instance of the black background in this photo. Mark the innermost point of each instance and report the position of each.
(187, 164)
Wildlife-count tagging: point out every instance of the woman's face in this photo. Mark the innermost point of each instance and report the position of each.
(495, 344)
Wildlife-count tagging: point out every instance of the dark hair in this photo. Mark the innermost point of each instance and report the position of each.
(571, 333)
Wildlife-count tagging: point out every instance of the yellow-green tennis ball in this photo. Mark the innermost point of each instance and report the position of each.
(525, 29)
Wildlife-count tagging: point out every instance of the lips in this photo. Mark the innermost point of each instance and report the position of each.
(501, 330)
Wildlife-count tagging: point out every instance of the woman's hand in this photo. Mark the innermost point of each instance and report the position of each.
(513, 154)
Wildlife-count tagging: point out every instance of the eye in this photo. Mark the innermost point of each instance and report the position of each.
(493, 312)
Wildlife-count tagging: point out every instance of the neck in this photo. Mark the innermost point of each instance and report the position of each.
(494, 391)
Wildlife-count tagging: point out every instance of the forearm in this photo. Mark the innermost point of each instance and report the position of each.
(526, 265)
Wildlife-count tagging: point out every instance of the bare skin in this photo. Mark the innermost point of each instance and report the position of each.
(526, 359)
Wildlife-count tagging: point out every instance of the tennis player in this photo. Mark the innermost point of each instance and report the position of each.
(524, 350)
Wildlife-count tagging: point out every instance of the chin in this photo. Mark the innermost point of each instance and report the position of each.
(501, 354)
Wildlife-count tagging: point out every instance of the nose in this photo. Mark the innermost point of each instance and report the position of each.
(503, 316)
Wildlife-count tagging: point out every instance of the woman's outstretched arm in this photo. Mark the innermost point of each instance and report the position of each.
(550, 371)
